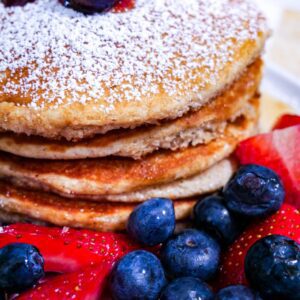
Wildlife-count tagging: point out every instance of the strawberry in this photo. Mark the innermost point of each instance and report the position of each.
(285, 222)
(280, 151)
(287, 121)
(69, 250)
(87, 284)
(123, 5)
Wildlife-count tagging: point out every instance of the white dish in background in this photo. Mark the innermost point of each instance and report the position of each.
(282, 86)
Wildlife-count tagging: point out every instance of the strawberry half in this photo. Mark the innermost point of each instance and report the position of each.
(68, 250)
(287, 121)
(280, 151)
(285, 222)
(87, 284)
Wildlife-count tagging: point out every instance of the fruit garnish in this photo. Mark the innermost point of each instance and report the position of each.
(287, 121)
(237, 292)
(86, 284)
(152, 222)
(187, 288)
(212, 215)
(272, 266)
(21, 266)
(69, 250)
(191, 253)
(16, 2)
(280, 151)
(138, 275)
(89, 6)
(123, 5)
(254, 191)
(285, 222)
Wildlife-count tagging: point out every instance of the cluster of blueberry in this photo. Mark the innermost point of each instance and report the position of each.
(191, 258)
(187, 261)
(84, 6)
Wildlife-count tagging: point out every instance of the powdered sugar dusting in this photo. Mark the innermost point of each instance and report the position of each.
(55, 55)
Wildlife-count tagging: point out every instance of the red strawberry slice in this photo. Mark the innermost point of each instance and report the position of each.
(123, 5)
(87, 284)
(69, 250)
(287, 121)
(280, 151)
(285, 222)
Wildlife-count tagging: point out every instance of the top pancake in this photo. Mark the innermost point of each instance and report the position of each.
(64, 74)
(196, 127)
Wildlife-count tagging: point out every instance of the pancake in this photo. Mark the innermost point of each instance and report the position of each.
(206, 182)
(12, 218)
(19, 204)
(108, 176)
(65, 74)
(199, 127)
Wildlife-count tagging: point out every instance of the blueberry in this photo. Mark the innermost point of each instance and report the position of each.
(16, 2)
(89, 6)
(212, 215)
(237, 292)
(254, 191)
(138, 275)
(187, 288)
(191, 253)
(272, 266)
(152, 222)
(21, 266)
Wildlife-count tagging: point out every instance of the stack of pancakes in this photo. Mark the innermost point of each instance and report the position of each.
(99, 113)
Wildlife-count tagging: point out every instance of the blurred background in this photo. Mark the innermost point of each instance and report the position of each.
(284, 46)
(282, 71)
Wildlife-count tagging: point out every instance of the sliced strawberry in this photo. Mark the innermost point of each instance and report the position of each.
(123, 5)
(69, 250)
(280, 151)
(287, 121)
(87, 284)
(285, 222)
